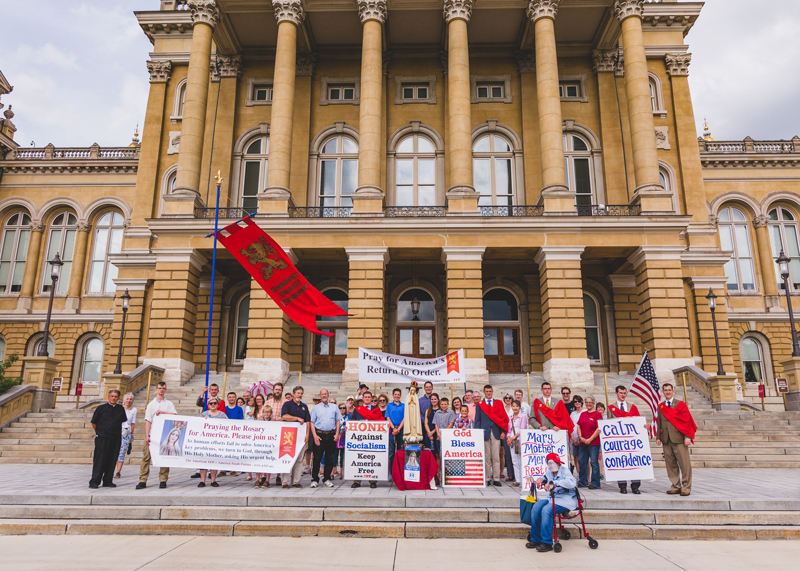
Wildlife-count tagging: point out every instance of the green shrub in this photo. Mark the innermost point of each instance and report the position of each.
(7, 383)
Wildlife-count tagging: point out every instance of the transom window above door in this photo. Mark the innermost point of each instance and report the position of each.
(255, 163)
(416, 172)
(492, 166)
(338, 171)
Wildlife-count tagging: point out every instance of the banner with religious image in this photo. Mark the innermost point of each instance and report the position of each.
(366, 450)
(463, 457)
(625, 444)
(377, 367)
(535, 445)
(195, 442)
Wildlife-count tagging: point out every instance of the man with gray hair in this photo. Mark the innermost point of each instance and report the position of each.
(107, 422)
(296, 411)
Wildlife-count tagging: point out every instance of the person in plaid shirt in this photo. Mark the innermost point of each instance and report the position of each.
(464, 421)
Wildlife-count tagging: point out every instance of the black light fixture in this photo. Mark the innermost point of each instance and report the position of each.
(126, 302)
(783, 265)
(55, 273)
(712, 305)
(415, 308)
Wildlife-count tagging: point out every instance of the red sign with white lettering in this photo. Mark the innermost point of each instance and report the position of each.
(78, 389)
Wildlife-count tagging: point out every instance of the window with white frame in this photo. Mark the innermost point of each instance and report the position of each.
(412, 92)
(653, 95)
(259, 92)
(242, 324)
(734, 236)
(340, 90)
(578, 167)
(338, 171)
(107, 240)
(91, 361)
(61, 240)
(591, 320)
(569, 89)
(752, 360)
(418, 89)
(492, 166)
(491, 91)
(2, 348)
(657, 97)
(262, 93)
(13, 251)
(180, 100)
(490, 88)
(783, 235)
(254, 171)
(416, 172)
(37, 346)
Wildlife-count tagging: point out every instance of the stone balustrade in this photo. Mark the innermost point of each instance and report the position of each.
(51, 152)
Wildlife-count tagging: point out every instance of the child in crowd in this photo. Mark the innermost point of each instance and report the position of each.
(464, 421)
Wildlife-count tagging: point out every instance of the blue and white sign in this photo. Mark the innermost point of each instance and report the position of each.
(625, 445)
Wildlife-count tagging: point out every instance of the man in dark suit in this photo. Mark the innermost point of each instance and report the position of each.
(676, 444)
(550, 402)
(490, 415)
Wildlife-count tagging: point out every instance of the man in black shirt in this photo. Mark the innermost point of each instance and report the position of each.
(107, 422)
(296, 411)
(566, 397)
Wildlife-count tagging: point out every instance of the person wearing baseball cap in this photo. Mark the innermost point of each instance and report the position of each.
(557, 477)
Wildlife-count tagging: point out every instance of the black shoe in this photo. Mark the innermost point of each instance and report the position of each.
(214, 485)
(195, 475)
(544, 547)
(356, 485)
(625, 490)
(636, 491)
(111, 485)
(162, 485)
(95, 486)
(488, 483)
(593, 487)
(278, 480)
(496, 483)
(581, 485)
(141, 486)
(373, 485)
(532, 545)
(201, 485)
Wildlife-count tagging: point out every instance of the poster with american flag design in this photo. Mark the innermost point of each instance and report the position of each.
(462, 457)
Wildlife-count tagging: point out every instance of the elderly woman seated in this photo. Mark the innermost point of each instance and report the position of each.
(559, 478)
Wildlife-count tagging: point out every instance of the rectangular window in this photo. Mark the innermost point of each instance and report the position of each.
(263, 94)
(583, 184)
(408, 93)
(414, 92)
(418, 89)
(490, 92)
(334, 94)
(327, 186)
(406, 341)
(349, 181)
(259, 91)
(340, 342)
(405, 182)
(252, 172)
(569, 90)
(490, 342)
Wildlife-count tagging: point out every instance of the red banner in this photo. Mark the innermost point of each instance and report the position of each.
(269, 265)
(452, 362)
(288, 442)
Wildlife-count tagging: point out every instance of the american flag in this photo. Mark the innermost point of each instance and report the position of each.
(463, 472)
(645, 386)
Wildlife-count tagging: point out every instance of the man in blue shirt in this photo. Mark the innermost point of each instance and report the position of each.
(395, 413)
(424, 405)
(326, 422)
(232, 411)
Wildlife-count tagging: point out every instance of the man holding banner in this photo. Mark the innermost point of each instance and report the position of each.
(490, 415)
(367, 411)
(624, 410)
(296, 411)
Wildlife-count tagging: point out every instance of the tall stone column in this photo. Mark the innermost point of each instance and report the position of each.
(663, 317)
(563, 324)
(650, 194)
(227, 71)
(555, 196)
(205, 16)
(708, 348)
(366, 293)
(289, 14)
(461, 196)
(73, 301)
(368, 197)
(767, 264)
(25, 300)
(465, 307)
(626, 318)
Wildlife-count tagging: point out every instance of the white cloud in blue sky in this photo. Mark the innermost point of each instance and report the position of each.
(79, 75)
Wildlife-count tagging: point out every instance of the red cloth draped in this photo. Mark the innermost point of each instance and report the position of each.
(680, 418)
(622, 413)
(427, 471)
(269, 265)
(497, 413)
(559, 415)
(374, 414)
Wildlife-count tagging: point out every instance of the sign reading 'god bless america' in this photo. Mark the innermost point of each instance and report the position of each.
(377, 367)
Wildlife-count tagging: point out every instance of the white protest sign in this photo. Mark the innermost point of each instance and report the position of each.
(535, 446)
(206, 443)
(366, 450)
(462, 457)
(625, 444)
(377, 367)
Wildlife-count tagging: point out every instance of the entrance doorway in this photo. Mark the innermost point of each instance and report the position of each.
(501, 331)
(416, 324)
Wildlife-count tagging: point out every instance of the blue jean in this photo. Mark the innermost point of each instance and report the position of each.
(586, 454)
(542, 521)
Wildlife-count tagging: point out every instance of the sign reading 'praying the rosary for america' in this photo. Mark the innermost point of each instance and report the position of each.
(206, 443)
(366, 450)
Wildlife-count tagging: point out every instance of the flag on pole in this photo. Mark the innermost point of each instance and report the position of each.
(645, 386)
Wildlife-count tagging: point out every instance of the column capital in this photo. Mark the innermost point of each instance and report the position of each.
(367, 254)
(83, 226)
(226, 66)
(678, 64)
(372, 10)
(651, 253)
(36, 226)
(462, 253)
(160, 71)
(526, 61)
(624, 9)
(289, 10)
(558, 254)
(605, 60)
(759, 221)
(305, 64)
(204, 12)
(703, 283)
(538, 9)
(457, 9)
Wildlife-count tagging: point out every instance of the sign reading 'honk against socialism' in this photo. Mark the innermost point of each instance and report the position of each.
(535, 446)
(366, 450)
(206, 443)
(377, 367)
(625, 444)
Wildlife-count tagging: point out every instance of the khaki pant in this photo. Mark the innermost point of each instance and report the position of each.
(491, 451)
(144, 470)
(679, 466)
(293, 477)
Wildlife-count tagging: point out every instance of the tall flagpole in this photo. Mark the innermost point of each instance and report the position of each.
(211, 294)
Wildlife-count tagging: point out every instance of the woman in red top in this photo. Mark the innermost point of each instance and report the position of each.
(589, 434)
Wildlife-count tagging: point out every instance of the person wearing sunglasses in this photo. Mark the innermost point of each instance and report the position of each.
(216, 412)
(338, 457)
(505, 454)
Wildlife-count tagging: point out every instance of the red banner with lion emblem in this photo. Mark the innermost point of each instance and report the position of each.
(269, 265)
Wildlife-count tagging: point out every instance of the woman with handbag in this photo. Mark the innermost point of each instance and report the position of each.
(516, 424)
(127, 432)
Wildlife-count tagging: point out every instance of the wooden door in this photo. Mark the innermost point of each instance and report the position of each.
(330, 352)
(501, 349)
(416, 341)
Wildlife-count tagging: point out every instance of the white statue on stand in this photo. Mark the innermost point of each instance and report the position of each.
(412, 429)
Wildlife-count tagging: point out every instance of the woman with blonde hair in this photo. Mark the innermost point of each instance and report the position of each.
(127, 432)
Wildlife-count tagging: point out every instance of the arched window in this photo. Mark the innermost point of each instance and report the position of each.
(2, 348)
(338, 171)
(14, 249)
(107, 240)
(657, 96)
(242, 323)
(591, 320)
(493, 170)
(653, 95)
(416, 172)
(35, 347)
(61, 240)
(752, 360)
(92, 361)
(501, 330)
(254, 171)
(783, 234)
(578, 167)
(330, 352)
(416, 324)
(735, 237)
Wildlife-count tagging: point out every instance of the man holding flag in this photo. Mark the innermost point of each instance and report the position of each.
(676, 431)
(622, 409)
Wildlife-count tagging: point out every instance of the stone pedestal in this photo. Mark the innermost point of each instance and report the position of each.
(39, 373)
(791, 370)
(723, 392)
(272, 370)
(574, 373)
(115, 382)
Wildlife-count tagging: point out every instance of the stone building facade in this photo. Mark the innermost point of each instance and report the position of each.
(521, 179)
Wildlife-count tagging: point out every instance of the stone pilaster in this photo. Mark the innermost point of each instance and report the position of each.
(626, 319)
(267, 340)
(73, 301)
(767, 264)
(25, 300)
(708, 349)
(201, 336)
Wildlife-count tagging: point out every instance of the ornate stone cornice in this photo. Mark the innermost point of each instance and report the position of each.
(678, 64)
(305, 64)
(160, 71)
(538, 9)
(372, 10)
(40, 168)
(289, 10)
(455, 9)
(226, 66)
(526, 61)
(605, 60)
(626, 8)
(760, 221)
(204, 12)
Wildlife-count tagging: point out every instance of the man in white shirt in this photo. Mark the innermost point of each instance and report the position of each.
(525, 408)
(159, 405)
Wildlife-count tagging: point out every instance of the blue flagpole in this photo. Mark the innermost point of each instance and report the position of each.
(211, 294)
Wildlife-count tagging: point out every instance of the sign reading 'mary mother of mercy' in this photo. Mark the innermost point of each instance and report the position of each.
(377, 367)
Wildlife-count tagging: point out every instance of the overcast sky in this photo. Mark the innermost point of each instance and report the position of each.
(79, 75)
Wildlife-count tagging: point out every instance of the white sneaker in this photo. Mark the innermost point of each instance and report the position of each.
(313, 484)
(328, 484)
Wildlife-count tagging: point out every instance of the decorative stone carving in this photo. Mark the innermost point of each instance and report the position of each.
(160, 71)
(372, 10)
(713, 220)
(289, 10)
(305, 64)
(605, 60)
(387, 60)
(760, 221)
(204, 12)
(36, 226)
(174, 143)
(526, 61)
(662, 138)
(229, 66)
(83, 226)
(626, 8)
(678, 64)
(538, 9)
(457, 9)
